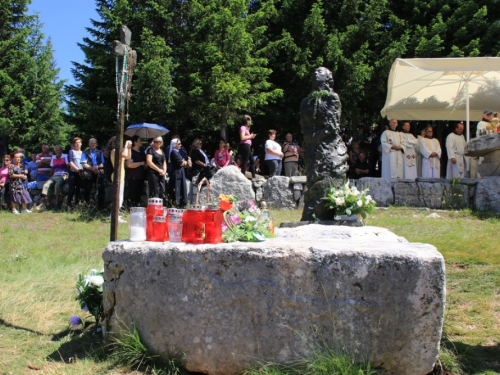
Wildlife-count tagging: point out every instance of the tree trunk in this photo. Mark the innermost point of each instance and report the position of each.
(223, 126)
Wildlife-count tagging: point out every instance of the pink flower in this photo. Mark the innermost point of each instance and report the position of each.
(236, 219)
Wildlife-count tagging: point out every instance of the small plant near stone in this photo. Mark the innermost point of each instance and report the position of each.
(454, 198)
(323, 362)
(348, 200)
(89, 289)
(128, 349)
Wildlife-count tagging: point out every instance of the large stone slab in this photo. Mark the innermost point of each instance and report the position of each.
(483, 145)
(228, 306)
(432, 191)
(487, 197)
(379, 188)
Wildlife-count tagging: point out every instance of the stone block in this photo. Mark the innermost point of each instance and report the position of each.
(432, 191)
(298, 186)
(298, 180)
(258, 194)
(487, 197)
(229, 180)
(228, 306)
(277, 193)
(483, 145)
(406, 193)
(297, 194)
(379, 188)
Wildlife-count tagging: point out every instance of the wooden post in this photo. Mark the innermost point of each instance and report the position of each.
(123, 84)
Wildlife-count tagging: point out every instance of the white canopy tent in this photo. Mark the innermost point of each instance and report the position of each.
(443, 89)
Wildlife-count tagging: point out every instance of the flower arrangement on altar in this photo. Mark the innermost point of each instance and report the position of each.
(89, 289)
(243, 220)
(348, 200)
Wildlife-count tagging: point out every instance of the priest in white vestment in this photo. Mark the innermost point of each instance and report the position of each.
(410, 145)
(455, 147)
(392, 152)
(420, 138)
(431, 155)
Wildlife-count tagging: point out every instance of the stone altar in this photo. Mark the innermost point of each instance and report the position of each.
(229, 306)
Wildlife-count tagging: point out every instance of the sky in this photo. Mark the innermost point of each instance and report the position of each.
(65, 22)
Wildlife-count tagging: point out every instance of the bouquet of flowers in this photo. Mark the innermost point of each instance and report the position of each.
(348, 200)
(243, 220)
(89, 289)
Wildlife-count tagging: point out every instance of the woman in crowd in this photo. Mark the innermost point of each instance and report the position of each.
(245, 147)
(156, 161)
(273, 155)
(136, 172)
(4, 182)
(75, 170)
(222, 157)
(177, 184)
(18, 193)
(200, 168)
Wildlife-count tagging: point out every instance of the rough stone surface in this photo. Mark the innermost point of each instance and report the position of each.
(379, 188)
(314, 206)
(483, 145)
(297, 194)
(258, 194)
(490, 165)
(406, 193)
(487, 197)
(229, 180)
(432, 192)
(277, 193)
(298, 186)
(298, 180)
(229, 306)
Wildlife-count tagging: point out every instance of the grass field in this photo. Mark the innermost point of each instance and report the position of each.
(42, 254)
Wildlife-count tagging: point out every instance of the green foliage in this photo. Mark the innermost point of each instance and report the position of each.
(89, 289)
(129, 350)
(328, 361)
(30, 105)
(348, 200)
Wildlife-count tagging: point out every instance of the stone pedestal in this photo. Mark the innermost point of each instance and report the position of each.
(488, 148)
(229, 306)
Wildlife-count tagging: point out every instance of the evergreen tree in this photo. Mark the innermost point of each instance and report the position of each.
(30, 106)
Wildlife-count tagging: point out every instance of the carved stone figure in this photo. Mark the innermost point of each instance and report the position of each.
(325, 152)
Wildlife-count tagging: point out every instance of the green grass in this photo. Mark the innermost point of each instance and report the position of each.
(42, 254)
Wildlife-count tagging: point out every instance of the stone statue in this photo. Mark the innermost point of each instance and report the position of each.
(325, 152)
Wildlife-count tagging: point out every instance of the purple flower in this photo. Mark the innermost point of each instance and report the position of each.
(75, 321)
(86, 308)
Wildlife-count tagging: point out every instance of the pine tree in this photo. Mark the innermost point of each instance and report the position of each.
(30, 106)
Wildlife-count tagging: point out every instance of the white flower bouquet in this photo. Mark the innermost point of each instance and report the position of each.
(348, 200)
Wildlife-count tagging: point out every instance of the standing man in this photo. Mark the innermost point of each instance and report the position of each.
(291, 158)
(431, 154)
(483, 126)
(93, 173)
(420, 139)
(455, 147)
(43, 163)
(410, 145)
(392, 152)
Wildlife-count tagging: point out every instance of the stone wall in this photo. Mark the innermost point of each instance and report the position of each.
(231, 306)
(287, 193)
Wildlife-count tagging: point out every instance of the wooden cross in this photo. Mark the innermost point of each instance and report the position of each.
(126, 60)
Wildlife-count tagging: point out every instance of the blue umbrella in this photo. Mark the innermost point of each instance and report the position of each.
(146, 130)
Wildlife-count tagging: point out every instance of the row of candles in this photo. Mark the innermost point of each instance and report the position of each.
(197, 224)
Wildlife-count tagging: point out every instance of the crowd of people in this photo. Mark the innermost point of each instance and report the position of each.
(396, 153)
